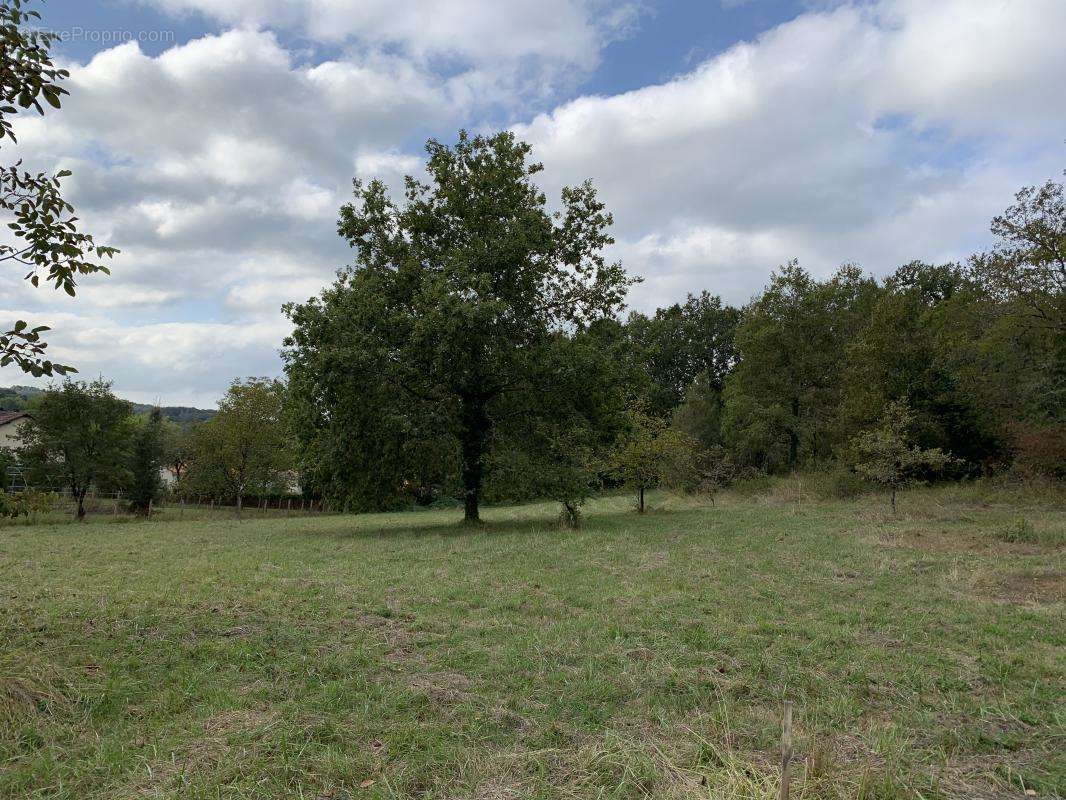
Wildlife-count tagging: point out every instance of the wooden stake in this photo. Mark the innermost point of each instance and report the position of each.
(786, 751)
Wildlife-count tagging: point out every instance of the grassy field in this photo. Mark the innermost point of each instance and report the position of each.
(404, 656)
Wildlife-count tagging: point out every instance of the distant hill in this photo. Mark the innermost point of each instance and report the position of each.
(16, 398)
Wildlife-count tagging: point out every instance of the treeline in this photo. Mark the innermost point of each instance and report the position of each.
(19, 398)
(976, 352)
(788, 381)
(475, 350)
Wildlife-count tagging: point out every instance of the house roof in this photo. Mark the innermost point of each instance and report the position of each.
(11, 416)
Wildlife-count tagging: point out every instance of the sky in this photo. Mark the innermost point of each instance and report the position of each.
(213, 142)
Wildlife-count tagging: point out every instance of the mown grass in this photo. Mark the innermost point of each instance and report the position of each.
(405, 656)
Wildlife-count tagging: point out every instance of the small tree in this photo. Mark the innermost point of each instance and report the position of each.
(569, 472)
(650, 453)
(714, 470)
(78, 435)
(245, 446)
(146, 485)
(886, 454)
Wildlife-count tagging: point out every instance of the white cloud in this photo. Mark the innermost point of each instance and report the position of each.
(537, 43)
(191, 175)
(169, 363)
(877, 133)
(982, 67)
(824, 139)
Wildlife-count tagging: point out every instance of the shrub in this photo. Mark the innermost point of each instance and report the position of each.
(7, 460)
(1040, 451)
(22, 504)
(841, 484)
(1022, 531)
(750, 481)
(713, 469)
(1019, 530)
(11, 506)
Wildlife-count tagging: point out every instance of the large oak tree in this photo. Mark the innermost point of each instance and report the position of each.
(442, 339)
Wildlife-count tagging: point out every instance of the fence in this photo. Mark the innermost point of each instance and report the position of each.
(117, 503)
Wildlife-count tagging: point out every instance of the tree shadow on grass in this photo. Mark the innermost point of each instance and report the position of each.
(530, 519)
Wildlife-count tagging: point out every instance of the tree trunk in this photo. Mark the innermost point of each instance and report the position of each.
(240, 498)
(793, 436)
(80, 513)
(893, 498)
(571, 514)
(475, 434)
(640, 501)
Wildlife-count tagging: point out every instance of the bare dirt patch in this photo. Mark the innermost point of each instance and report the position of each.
(240, 721)
(1031, 586)
(443, 687)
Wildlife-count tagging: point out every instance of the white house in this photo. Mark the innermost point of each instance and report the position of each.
(11, 423)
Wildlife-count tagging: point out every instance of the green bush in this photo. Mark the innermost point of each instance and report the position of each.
(1040, 451)
(841, 484)
(752, 482)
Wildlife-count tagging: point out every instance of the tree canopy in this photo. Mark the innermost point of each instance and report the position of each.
(791, 342)
(245, 448)
(146, 484)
